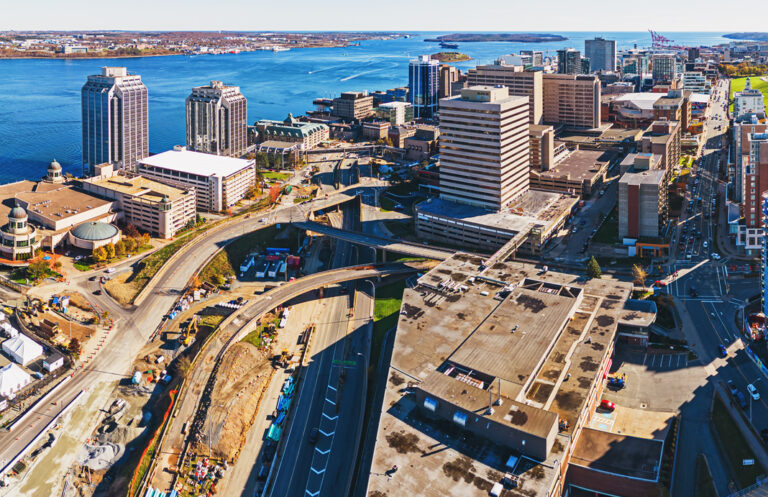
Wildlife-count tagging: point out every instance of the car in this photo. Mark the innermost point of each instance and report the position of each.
(92, 278)
(693, 292)
(716, 256)
(313, 436)
(752, 389)
(723, 350)
(97, 292)
(741, 399)
(607, 405)
(110, 270)
(575, 230)
(704, 244)
(583, 222)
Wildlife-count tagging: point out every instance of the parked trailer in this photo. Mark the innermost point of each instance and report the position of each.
(282, 268)
(272, 272)
(261, 270)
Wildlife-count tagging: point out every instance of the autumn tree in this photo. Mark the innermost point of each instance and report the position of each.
(120, 248)
(99, 254)
(74, 347)
(38, 270)
(109, 249)
(131, 231)
(639, 275)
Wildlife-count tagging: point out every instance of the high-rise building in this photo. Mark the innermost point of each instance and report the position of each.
(601, 54)
(519, 82)
(664, 68)
(217, 120)
(448, 75)
(115, 120)
(536, 57)
(642, 205)
(353, 106)
(568, 61)
(424, 86)
(484, 152)
(693, 53)
(571, 100)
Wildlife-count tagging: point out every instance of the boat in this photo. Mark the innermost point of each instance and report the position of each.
(280, 49)
(448, 45)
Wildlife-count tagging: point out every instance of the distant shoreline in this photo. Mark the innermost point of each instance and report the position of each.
(749, 36)
(508, 37)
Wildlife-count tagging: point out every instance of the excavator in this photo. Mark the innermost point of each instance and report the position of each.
(189, 332)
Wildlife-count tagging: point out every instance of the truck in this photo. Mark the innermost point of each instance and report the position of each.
(261, 269)
(282, 269)
(272, 271)
(247, 264)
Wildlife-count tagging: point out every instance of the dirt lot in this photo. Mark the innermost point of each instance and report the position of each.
(120, 289)
(243, 373)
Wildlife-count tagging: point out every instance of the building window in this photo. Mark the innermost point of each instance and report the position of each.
(460, 418)
(430, 404)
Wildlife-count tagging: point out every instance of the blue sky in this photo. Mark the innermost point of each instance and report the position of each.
(412, 15)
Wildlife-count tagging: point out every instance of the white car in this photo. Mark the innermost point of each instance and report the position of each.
(753, 392)
(716, 256)
(704, 244)
(110, 270)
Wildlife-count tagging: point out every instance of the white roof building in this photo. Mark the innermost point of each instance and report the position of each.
(22, 349)
(12, 379)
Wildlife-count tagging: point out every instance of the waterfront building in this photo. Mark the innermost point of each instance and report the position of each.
(571, 100)
(353, 106)
(115, 119)
(217, 120)
(19, 238)
(424, 86)
(290, 131)
(484, 147)
(396, 113)
(219, 182)
(518, 81)
(448, 76)
(601, 54)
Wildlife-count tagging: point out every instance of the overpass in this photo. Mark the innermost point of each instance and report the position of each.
(233, 329)
(385, 244)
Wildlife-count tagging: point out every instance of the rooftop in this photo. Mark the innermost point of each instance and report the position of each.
(533, 207)
(581, 165)
(619, 454)
(652, 177)
(198, 163)
(139, 186)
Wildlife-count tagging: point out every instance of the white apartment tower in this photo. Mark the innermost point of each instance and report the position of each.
(484, 157)
(115, 120)
(217, 120)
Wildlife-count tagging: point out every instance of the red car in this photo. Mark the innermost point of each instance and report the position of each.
(660, 283)
(607, 405)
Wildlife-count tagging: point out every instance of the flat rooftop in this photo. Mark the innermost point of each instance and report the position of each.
(534, 207)
(197, 163)
(139, 186)
(619, 454)
(581, 165)
(652, 177)
(52, 202)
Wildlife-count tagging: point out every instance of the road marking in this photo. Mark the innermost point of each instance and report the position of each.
(331, 388)
(317, 472)
(645, 356)
(334, 418)
(329, 400)
(327, 434)
(312, 494)
(322, 452)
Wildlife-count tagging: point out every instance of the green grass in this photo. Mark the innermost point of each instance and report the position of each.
(151, 264)
(276, 176)
(734, 444)
(705, 486)
(228, 260)
(387, 204)
(609, 231)
(254, 337)
(211, 320)
(82, 267)
(738, 84)
(386, 310)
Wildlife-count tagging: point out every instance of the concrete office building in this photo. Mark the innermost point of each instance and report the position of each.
(695, 81)
(571, 100)
(601, 54)
(353, 106)
(642, 204)
(395, 113)
(764, 255)
(448, 76)
(217, 120)
(151, 206)
(569, 61)
(664, 67)
(519, 82)
(663, 138)
(219, 182)
(747, 101)
(115, 119)
(424, 86)
(536, 57)
(483, 147)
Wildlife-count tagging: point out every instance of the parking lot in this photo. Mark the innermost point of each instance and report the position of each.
(654, 381)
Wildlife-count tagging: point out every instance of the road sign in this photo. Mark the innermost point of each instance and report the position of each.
(337, 362)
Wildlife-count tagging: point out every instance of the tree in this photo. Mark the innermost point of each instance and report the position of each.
(38, 270)
(99, 254)
(109, 249)
(183, 365)
(129, 244)
(219, 279)
(120, 248)
(639, 275)
(131, 231)
(145, 239)
(74, 347)
(593, 268)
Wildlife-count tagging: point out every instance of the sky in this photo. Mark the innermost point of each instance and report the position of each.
(389, 15)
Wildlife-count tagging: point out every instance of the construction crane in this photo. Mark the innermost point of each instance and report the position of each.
(659, 41)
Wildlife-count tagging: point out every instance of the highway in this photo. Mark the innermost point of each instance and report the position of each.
(133, 327)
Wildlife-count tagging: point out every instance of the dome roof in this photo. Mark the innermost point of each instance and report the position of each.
(17, 213)
(94, 231)
(54, 166)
